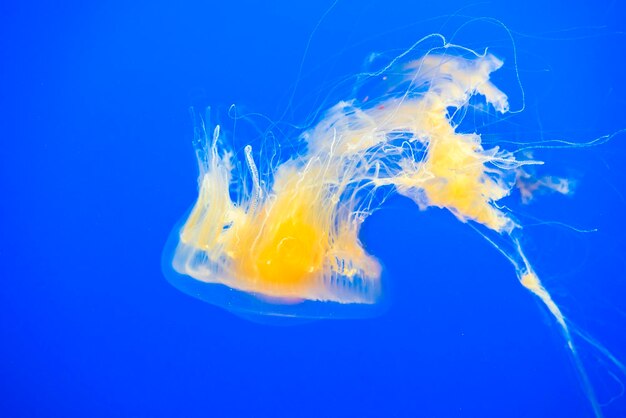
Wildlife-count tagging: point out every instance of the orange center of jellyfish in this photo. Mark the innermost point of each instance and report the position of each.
(290, 254)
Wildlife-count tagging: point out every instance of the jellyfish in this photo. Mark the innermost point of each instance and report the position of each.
(279, 235)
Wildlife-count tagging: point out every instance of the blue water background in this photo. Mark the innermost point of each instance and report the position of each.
(96, 167)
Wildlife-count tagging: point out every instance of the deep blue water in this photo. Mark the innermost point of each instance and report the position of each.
(96, 167)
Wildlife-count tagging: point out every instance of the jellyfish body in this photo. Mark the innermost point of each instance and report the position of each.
(293, 236)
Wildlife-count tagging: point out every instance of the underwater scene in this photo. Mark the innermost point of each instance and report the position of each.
(313, 209)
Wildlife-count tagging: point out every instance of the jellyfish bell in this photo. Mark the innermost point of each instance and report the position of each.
(268, 301)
